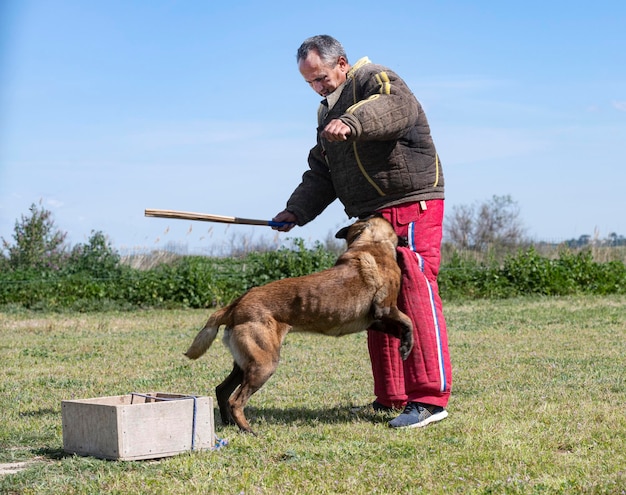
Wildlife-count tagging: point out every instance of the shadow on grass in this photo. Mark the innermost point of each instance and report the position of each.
(39, 412)
(52, 454)
(303, 415)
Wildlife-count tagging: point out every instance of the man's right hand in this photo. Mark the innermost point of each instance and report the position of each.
(336, 131)
(289, 218)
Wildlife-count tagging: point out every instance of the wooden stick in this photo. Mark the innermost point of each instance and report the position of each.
(206, 217)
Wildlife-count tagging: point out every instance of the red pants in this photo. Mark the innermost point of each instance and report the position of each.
(426, 375)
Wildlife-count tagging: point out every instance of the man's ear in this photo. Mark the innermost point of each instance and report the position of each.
(343, 64)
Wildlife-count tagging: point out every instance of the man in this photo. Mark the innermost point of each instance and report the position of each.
(375, 153)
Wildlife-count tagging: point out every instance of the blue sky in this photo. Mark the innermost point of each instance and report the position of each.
(111, 107)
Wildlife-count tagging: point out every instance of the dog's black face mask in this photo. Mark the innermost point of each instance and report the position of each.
(343, 233)
(350, 234)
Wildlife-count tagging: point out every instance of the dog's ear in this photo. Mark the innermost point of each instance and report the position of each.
(376, 214)
(343, 233)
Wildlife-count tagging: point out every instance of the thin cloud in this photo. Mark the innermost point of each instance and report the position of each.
(54, 203)
(619, 105)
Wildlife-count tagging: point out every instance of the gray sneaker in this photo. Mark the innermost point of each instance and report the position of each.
(416, 415)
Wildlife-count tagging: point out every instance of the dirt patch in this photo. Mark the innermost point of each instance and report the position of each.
(13, 467)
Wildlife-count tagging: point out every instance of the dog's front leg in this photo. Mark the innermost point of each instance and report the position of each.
(406, 330)
(381, 306)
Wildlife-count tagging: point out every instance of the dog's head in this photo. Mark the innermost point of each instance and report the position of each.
(371, 229)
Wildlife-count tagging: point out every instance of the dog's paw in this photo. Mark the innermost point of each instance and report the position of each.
(405, 350)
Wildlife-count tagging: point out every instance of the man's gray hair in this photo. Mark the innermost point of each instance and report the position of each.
(327, 47)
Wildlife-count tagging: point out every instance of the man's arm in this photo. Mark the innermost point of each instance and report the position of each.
(313, 194)
(388, 108)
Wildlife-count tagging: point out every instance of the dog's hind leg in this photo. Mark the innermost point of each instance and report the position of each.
(255, 345)
(225, 389)
(253, 379)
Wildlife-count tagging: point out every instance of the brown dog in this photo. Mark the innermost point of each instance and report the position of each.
(359, 292)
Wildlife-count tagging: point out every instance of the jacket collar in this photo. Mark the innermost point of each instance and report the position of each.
(328, 103)
(360, 63)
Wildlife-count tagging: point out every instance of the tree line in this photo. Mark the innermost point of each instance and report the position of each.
(39, 271)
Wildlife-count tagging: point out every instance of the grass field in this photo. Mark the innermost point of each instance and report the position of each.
(538, 406)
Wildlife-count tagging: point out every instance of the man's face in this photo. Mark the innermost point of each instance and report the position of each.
(321, 77)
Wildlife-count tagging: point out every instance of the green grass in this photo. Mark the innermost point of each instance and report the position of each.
(538, 406)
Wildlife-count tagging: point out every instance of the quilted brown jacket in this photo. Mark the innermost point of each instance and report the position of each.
(389, 158)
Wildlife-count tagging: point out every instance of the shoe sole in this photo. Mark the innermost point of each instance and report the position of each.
(430, 419)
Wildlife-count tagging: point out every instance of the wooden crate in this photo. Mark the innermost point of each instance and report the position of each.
(137, 426)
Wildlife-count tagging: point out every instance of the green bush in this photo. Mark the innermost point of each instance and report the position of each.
(97, 258)
(94, 279)
(261, 268)
(461, 278)
(37, 271)
(194, 281)
(37, 242)
(528, 273)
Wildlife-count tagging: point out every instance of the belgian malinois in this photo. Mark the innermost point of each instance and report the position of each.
(359, 292)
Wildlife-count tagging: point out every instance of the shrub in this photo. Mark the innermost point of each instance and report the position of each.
(528, 273)
(93, 278)
(97, 258)
(261, 268)
(38, 244)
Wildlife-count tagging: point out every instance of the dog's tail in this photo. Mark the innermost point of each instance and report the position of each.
(207, 335)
